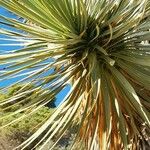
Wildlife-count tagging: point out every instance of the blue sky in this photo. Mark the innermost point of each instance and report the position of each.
(6, 13)
(5, 48)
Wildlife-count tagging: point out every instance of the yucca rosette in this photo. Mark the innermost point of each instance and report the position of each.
(101, 49)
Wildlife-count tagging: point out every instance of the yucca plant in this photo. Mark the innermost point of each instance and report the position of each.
(101, 49)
